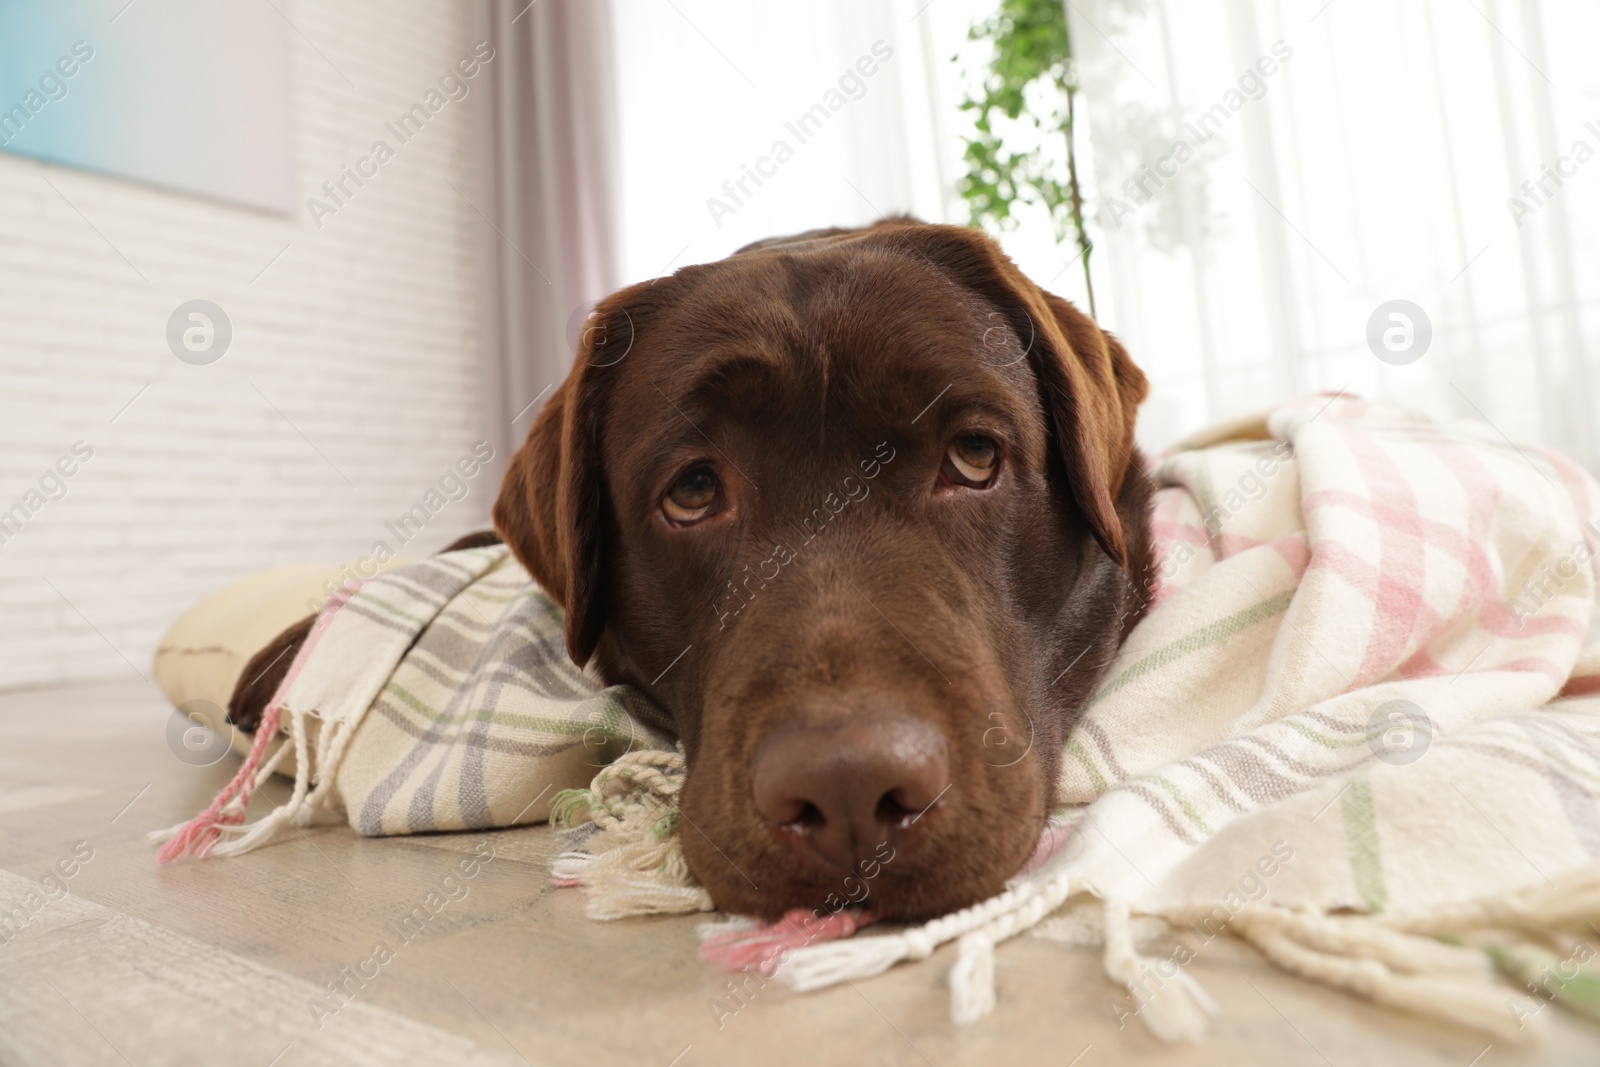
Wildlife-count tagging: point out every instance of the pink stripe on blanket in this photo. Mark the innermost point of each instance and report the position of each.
(1556, 672)
(1494, 614)
(1472, 474)
(1581, 686)
(1166, 532)
(199, 835)
(1292, 547)
(1401, 573)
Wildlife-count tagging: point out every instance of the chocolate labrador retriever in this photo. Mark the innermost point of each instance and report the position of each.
(861, 509)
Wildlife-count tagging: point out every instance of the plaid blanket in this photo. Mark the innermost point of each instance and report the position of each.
(1360, 727)
(1357, 729)
(1382, 653)
(434, 697)
(484, 719)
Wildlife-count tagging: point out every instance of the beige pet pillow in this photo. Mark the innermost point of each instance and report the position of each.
(199, 661)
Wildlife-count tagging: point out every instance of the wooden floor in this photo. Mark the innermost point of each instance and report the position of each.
(222, 961)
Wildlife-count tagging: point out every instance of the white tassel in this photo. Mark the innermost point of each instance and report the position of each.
(1363, 956)
(972, 982)
(265, 829)
(161, 837)
(616, 887)
(253, 836)
(729, 924)
(820, 966)
(642, 895)
(972, 979)
(1174, 1008)
(631, 860)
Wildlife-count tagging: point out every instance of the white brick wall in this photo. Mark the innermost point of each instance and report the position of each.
(363, 334)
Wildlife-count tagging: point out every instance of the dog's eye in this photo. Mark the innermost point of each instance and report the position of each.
(692, 496)
(971, 460)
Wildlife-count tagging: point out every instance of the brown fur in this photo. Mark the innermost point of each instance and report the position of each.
(788, 368)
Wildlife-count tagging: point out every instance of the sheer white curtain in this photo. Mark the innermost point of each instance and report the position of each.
(1369, 158)
(722, 142)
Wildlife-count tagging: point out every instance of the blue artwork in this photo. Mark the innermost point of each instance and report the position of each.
(183, 94)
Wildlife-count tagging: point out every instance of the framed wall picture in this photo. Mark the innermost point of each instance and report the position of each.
(182, 94)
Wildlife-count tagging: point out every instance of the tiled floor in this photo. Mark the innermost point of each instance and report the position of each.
(225, 961)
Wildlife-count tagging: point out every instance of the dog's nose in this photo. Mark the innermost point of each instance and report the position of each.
(838, 794)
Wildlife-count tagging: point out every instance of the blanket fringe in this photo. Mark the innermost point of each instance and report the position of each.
(1175, 1008)
(225, 816)
(1401, 961)
(1440, 962)
(746, 945)
(1386, 966)
(221, 830)
(632, 862)
(200, 836)
(979, 927)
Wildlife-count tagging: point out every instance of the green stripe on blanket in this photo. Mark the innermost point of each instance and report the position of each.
(1361, 831)
(1202, 638)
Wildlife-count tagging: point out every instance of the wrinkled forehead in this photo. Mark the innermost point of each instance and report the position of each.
(837, 337)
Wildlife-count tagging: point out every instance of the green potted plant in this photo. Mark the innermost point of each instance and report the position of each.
(1032, 57)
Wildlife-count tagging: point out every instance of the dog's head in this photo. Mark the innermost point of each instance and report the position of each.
(862, 511)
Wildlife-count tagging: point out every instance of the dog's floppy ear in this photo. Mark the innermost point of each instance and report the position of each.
(1091, 388)
(527, 511)
(1095, 406)
(551, 500)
